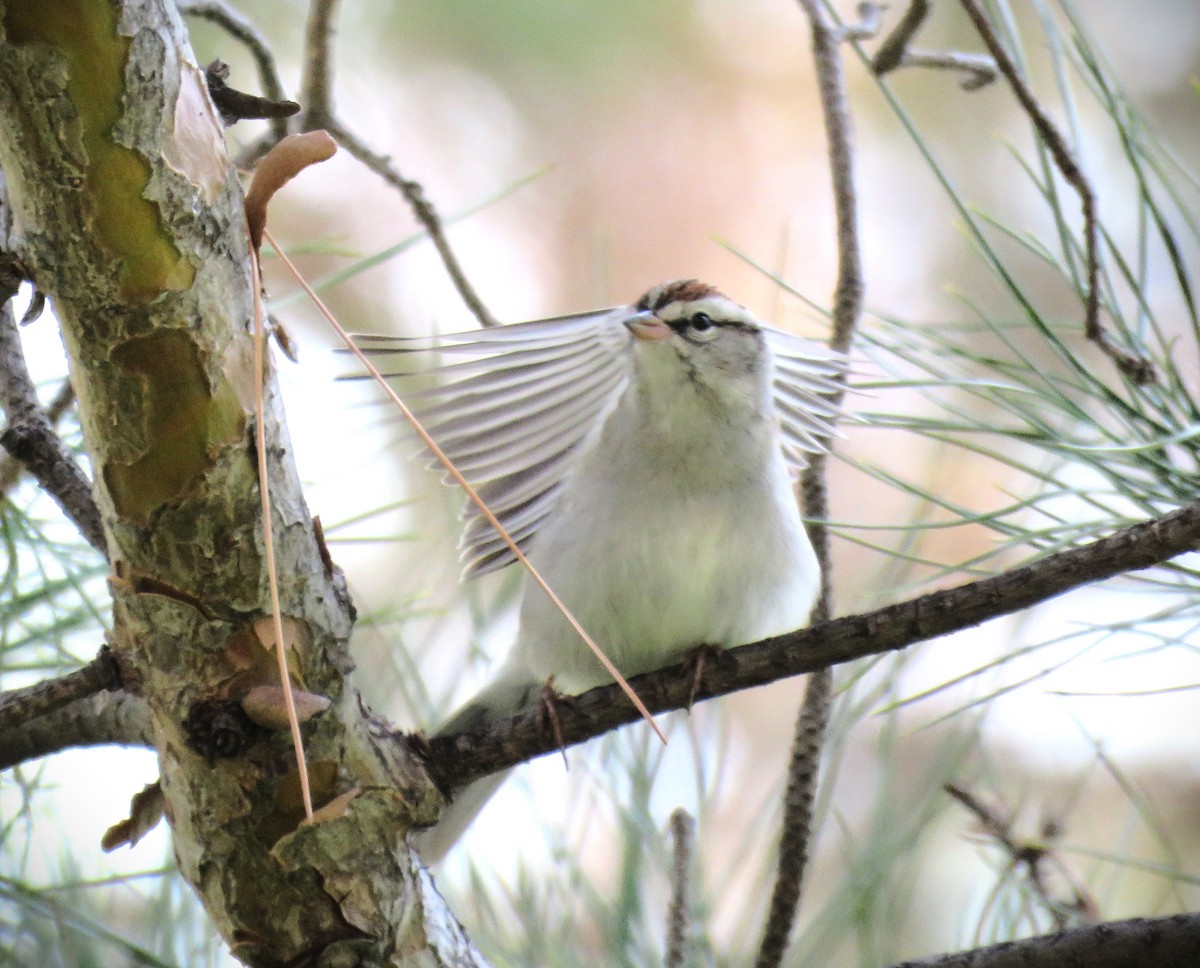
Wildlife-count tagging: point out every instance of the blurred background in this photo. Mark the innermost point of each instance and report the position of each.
(581, 152)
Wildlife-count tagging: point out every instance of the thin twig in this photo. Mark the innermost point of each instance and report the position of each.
(319, 113)
(242, 30)
(11, 469)
(1139, 369)
(18, 706)
(317, 92)
(30, 437)
(796, 837)
(1028, 856)
(804, 765)
(426, 214)
(683, 832)
(897, 51)
(471, 493)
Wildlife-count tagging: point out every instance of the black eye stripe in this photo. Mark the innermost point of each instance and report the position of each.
(683, 324)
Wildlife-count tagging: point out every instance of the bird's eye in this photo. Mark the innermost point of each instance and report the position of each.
(701, 322)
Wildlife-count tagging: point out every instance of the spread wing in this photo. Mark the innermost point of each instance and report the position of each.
(806, 376)
(511, 408)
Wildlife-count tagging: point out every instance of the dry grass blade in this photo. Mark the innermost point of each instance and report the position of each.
(281, 642)
(471, 493)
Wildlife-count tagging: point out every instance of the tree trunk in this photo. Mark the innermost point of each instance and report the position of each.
(128, 215)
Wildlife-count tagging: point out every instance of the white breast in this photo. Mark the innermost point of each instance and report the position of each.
(656, 552)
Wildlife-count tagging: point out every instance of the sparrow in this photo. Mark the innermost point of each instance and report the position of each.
(643, 458)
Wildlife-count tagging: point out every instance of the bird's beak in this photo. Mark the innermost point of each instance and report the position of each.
(647, 326)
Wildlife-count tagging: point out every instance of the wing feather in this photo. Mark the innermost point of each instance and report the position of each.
(806, 377)
(511, 411)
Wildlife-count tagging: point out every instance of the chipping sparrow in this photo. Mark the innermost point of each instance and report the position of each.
(643, 458)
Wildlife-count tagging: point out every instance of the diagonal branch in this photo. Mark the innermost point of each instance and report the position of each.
(30, 437)
(1171, 942)
(423, 209)
(1138, 369)
(457, 759)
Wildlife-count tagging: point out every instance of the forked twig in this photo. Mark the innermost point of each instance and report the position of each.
(426, 214)
(1028, 856)
(897, 51)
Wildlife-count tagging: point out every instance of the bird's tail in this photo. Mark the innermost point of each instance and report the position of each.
(511, 691)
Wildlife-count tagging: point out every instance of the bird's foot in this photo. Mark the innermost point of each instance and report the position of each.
(548, 704)
(697, 662)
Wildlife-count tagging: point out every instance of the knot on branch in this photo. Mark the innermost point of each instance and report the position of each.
(220, 729)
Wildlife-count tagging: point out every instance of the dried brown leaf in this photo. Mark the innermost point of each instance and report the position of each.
(279, 166)
(146, 809)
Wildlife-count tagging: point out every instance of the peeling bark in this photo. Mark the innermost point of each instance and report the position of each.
(128, 215)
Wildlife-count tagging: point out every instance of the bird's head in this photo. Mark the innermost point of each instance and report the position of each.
(690, 340)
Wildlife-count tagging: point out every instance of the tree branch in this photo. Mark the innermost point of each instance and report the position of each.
(18, 706)
(683, 833)
(317, 93)
(1172, 942)
(423, 209)
(896, 52)
(30, 437)
(104, 718)
(457, 759)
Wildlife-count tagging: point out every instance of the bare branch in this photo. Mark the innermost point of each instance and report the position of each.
(317, 93)
(30, 437)
(683, 832)
(804, 765)
(457, 759)
(102, 719)
(1159, 942)
(242, 30)
(1138, 369)
(897, 51)
(11, 469)
(18, 706)
(796, 839)
(426, 214)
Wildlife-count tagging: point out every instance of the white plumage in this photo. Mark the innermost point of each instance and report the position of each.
(643, 459)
